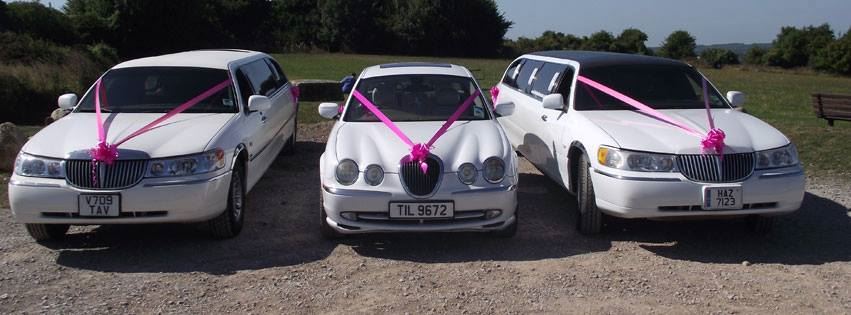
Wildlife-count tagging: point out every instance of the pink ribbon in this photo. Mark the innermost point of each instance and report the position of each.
(296, 92)
(419, 151)
(714, 140)
(108, 153)
(494, 95)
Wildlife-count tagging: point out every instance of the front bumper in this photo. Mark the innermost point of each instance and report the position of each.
(655, 195)
(371, 206)
(153, 200)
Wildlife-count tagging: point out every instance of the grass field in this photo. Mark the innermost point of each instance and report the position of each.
(780, 98)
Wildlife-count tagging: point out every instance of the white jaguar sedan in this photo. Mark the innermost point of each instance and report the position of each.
(172, 138)
(645, 137)
(417, 149)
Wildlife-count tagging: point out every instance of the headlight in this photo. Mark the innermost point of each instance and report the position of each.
(373, 175)
(347, 172)
(780, 157)
(467, 173)
(636, 161)
(33, 166)
(494, 170)
(206, 162)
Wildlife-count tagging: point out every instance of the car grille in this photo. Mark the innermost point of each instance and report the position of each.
(417, 183)
(121, 174)
(711, 168)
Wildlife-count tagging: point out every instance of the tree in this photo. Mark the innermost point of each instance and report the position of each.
(94, 20)
(3, 16)
(680, 44)
(836, 56)
(794, 47)
(297, 22)
(631, 41)
(756, 55)
(600, 41)
(41, 22)
(717, 57)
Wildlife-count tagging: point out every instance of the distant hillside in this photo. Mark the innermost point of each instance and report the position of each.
(738, 48)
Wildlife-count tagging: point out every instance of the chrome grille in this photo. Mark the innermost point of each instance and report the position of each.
(711, 168)
(121, 174)
(417, 183)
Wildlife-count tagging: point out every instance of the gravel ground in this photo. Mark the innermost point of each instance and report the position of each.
(279, 264)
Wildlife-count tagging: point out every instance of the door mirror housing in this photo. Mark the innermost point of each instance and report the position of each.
(504, 108)
(736, 98)
(553, 101)
(67, 101)
(329, 110)
(259, 103)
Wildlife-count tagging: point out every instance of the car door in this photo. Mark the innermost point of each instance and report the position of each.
(283, 100)
(508, 91)
(548, 123)
(262, 144)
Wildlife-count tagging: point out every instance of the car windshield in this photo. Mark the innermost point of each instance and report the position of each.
(160, 89)
(660, 87)
(416, 98)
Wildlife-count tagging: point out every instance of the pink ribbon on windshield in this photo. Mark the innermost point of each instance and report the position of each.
(419, 151)
(108, 153)
(714, 140)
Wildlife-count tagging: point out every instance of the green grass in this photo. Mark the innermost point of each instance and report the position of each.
(781, 98)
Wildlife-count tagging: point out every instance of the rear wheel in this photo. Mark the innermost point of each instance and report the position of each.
(47, 232)
(590, 219)
(229, 223)
(325, 229)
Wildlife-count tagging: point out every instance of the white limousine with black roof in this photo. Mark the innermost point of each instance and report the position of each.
(645, 137)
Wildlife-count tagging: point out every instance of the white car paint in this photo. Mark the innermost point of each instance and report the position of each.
(372, 143)
(260, 136)
(549, 138)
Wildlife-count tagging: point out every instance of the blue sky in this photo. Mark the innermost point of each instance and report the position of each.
(710, 21)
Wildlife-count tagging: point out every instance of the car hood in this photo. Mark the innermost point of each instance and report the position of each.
(637, 131)
(374, 143)
(73, 135)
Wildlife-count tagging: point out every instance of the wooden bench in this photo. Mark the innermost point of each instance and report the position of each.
(832, 107)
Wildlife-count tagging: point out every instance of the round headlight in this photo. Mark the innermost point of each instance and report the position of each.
(373, 175)
(467, 173)
(494, 170)
(347, 172)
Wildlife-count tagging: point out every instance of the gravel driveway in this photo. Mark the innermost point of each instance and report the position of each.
(279, 264)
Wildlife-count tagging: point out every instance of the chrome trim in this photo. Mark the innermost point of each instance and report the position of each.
(33, 184)
(436, 186)
(640, 179)
(355, 192)
(186, 182)
(486, 190)
(778, 175)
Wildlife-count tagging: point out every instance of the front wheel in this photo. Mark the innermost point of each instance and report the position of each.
(760, 225)
(47, 232)
(229, 223)
(590, 219)
(510, 230)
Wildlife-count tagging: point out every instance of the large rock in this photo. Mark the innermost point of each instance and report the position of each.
(11, 141)
(319, 90)
(55, 115)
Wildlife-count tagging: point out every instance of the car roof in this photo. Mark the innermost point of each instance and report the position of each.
(591, 59)
(213, 58)
(400, 68)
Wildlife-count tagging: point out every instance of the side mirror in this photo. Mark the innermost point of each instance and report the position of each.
(259, 103)
(504, 109)
(553, 101)
(329, 110)
(67, 101)
(736, 98)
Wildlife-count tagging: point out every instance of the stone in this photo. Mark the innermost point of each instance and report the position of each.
(11, 141)
(55, 115)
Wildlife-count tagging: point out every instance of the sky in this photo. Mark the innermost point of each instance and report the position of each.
(709, 21)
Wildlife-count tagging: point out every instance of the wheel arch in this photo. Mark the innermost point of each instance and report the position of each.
(573, 154)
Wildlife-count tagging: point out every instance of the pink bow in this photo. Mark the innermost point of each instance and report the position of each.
(494, 95)
(714, 141)
(419, 152)
(296, 92)
(104, 152)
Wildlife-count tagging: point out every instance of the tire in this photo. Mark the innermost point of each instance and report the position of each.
(289, 148)
(229, 223)
(510, 230)
(760, 225)
(590, 219)
(325, 230)
(47, 232)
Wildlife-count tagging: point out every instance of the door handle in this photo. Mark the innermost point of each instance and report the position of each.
(544, 117)
(263, 119)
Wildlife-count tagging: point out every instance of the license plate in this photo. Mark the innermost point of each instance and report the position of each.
(421, 210)
(722, 197)
(99, 205)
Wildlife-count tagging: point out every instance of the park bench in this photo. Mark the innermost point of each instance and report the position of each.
(832, 107)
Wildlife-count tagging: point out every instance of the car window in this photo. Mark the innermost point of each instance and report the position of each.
(416, 98)
(161, 89)
(547, 79)
(245, 88)
(280, 77)
(526, 76)
(657, 86)
(565, 83)
(511, 74)
(261, 77)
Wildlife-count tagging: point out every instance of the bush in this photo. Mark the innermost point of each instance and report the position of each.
(717, 57)
(39, 21)
(22, 48)
(755, 56)
(678, 45)
(836, 57)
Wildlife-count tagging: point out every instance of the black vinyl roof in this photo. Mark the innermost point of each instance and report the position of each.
(415, 64)
(590, 59)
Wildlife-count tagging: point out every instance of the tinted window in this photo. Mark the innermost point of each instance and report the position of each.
(280, 77)
(660, 87)
(512, 73)
(261, 77)
(161, 89)
(417, 98)
(525, 78)
(245, 88)
(547, 79)
(565, 83)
